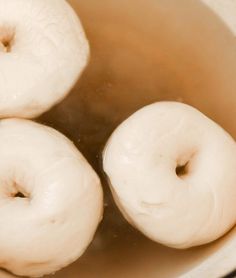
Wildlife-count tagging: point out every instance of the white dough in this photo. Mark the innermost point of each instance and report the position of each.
(43, 51)
(141, 158)
(54, 224)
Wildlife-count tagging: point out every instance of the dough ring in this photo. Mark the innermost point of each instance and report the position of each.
(51, 200)
(43, 51)
(173, 174)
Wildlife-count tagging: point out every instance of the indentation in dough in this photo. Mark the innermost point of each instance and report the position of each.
(7, 37)
(37, 264)
(149, 205)
(155, 208)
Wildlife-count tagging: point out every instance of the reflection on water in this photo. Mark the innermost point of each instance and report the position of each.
(141, 54)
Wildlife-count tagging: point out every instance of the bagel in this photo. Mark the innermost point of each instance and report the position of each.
(43, 51)
(172, 172)
(50, 199)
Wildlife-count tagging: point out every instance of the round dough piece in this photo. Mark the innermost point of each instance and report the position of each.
(51, 200)
(43, 51)
(173, 174)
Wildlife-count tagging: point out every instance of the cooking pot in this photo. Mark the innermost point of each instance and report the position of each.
(142, 52)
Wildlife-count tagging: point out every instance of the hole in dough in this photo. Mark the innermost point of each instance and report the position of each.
(6, 39)
(18, 192)
(20, 195)
(7, 45)
(182, 170)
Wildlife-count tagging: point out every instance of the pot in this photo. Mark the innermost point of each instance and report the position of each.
(142, 52)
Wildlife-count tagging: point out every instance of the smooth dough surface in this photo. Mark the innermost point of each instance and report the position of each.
(63, 202)
(172, 172)
(43, 51)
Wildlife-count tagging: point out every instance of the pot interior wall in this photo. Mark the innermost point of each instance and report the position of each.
(142, 52)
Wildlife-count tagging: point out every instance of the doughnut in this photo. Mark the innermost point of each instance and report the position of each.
(43, 51)
(172, 172)
(51, 200)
